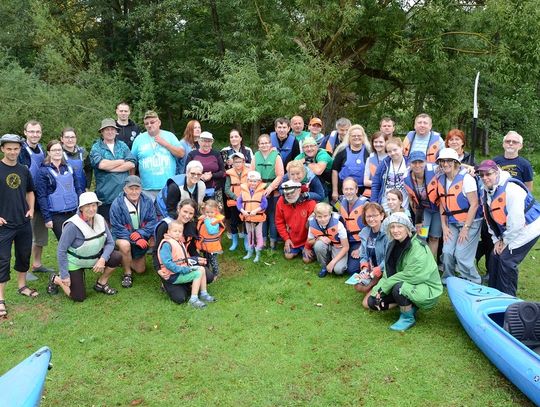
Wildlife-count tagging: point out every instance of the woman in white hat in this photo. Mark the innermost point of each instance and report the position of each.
(86, 242)
(456, 192)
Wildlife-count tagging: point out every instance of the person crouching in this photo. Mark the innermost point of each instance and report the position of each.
(328, 237)
(177, 267)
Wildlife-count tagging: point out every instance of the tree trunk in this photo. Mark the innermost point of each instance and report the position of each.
(217, 28)
(255, 133)
(331, 108)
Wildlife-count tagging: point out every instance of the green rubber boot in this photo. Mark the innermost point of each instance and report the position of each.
(257, 256)
(249, 254)
(405, 321)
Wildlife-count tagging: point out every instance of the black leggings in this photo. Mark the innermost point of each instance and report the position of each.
(180, 293)
(394, 297)
(58, 220)
(78, 286)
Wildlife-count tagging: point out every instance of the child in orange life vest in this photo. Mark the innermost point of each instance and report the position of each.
(210, 227)
(328, 237)
(251, 204)
(177, 268)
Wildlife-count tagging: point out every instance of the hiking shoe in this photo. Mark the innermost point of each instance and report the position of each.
(323, 272)
(197, 303)
(207, 298)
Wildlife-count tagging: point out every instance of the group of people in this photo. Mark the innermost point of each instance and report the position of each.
(377, 208)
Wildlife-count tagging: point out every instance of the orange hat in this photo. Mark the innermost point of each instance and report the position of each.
(315, 120)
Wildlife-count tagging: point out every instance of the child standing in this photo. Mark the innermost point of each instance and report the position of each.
(236, 176)
(177, 268)
(329, 239)
(251, 204)
(210, 227)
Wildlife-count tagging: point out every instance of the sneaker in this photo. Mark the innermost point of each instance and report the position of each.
(197, 303)
(52, 288)
(42, 269)
(323, 272)
(207, 298)
(365, 281)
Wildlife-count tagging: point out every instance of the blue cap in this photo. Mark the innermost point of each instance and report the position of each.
(417, 156)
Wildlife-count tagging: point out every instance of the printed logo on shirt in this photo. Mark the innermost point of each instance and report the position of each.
(13, 181)
(511, 169)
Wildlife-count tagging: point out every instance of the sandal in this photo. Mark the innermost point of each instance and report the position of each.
(32, 292)
(3, 312)
(52, 288)
(104, 288)
(127, 281)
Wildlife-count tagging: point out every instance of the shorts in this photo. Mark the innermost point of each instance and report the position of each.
(40, 234)
(137, 252)
(185, 278)
(432, 220)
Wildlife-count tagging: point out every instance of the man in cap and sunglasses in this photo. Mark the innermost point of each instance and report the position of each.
(513, 218)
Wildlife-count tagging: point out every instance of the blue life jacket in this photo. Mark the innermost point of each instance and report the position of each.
(286, 149)
(64, 198)
(36, 159)
(161, 199)
(77, 163)
(354, 165)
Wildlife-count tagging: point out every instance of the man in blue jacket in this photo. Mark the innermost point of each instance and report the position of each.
(133, 219)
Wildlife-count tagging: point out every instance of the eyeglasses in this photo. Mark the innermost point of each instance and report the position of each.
(356, 136)
(512, 142)
(445, 160)
(483, 174)
(195, 174)
(69, 137)
(33, 131)
(373, 216)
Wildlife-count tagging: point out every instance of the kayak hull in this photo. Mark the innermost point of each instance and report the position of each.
(481, 310)
(23, 385)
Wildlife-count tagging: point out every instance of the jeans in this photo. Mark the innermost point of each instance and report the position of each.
(461, 255)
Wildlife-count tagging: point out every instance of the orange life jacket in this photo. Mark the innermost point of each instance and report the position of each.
(432, 149)
(353, 217)
(331, 230)
(236, 183)
(207, 242)
(454, 201)
(179, 255)
(250, 203)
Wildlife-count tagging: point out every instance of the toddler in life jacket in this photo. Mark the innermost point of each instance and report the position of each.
(211, 227)
(177, 267)
(251, 204)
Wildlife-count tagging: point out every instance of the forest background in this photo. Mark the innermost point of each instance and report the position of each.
(243, 63)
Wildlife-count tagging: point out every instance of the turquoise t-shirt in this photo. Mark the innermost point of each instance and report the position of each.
(156, 163)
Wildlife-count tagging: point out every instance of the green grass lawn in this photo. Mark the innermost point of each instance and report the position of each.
(278, 336)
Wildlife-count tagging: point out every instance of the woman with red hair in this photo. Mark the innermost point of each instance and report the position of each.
(189, 142)
(455, 139)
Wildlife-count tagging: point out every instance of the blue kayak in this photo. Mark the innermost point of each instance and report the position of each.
(23, 385)
(481, 311)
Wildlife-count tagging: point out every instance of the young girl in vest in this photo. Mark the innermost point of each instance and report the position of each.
(178, 268)
(328, 237)
(236, 176)
(210, 227)
(251, 204)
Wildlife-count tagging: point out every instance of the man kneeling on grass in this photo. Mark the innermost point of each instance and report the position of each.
(178, 268)
(411, 277)
(292, 212)
(133, 220)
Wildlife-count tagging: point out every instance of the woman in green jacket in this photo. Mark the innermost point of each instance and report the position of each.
(411, 277)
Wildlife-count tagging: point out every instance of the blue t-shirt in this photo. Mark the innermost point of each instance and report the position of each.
(518, 167)
(156, 163)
